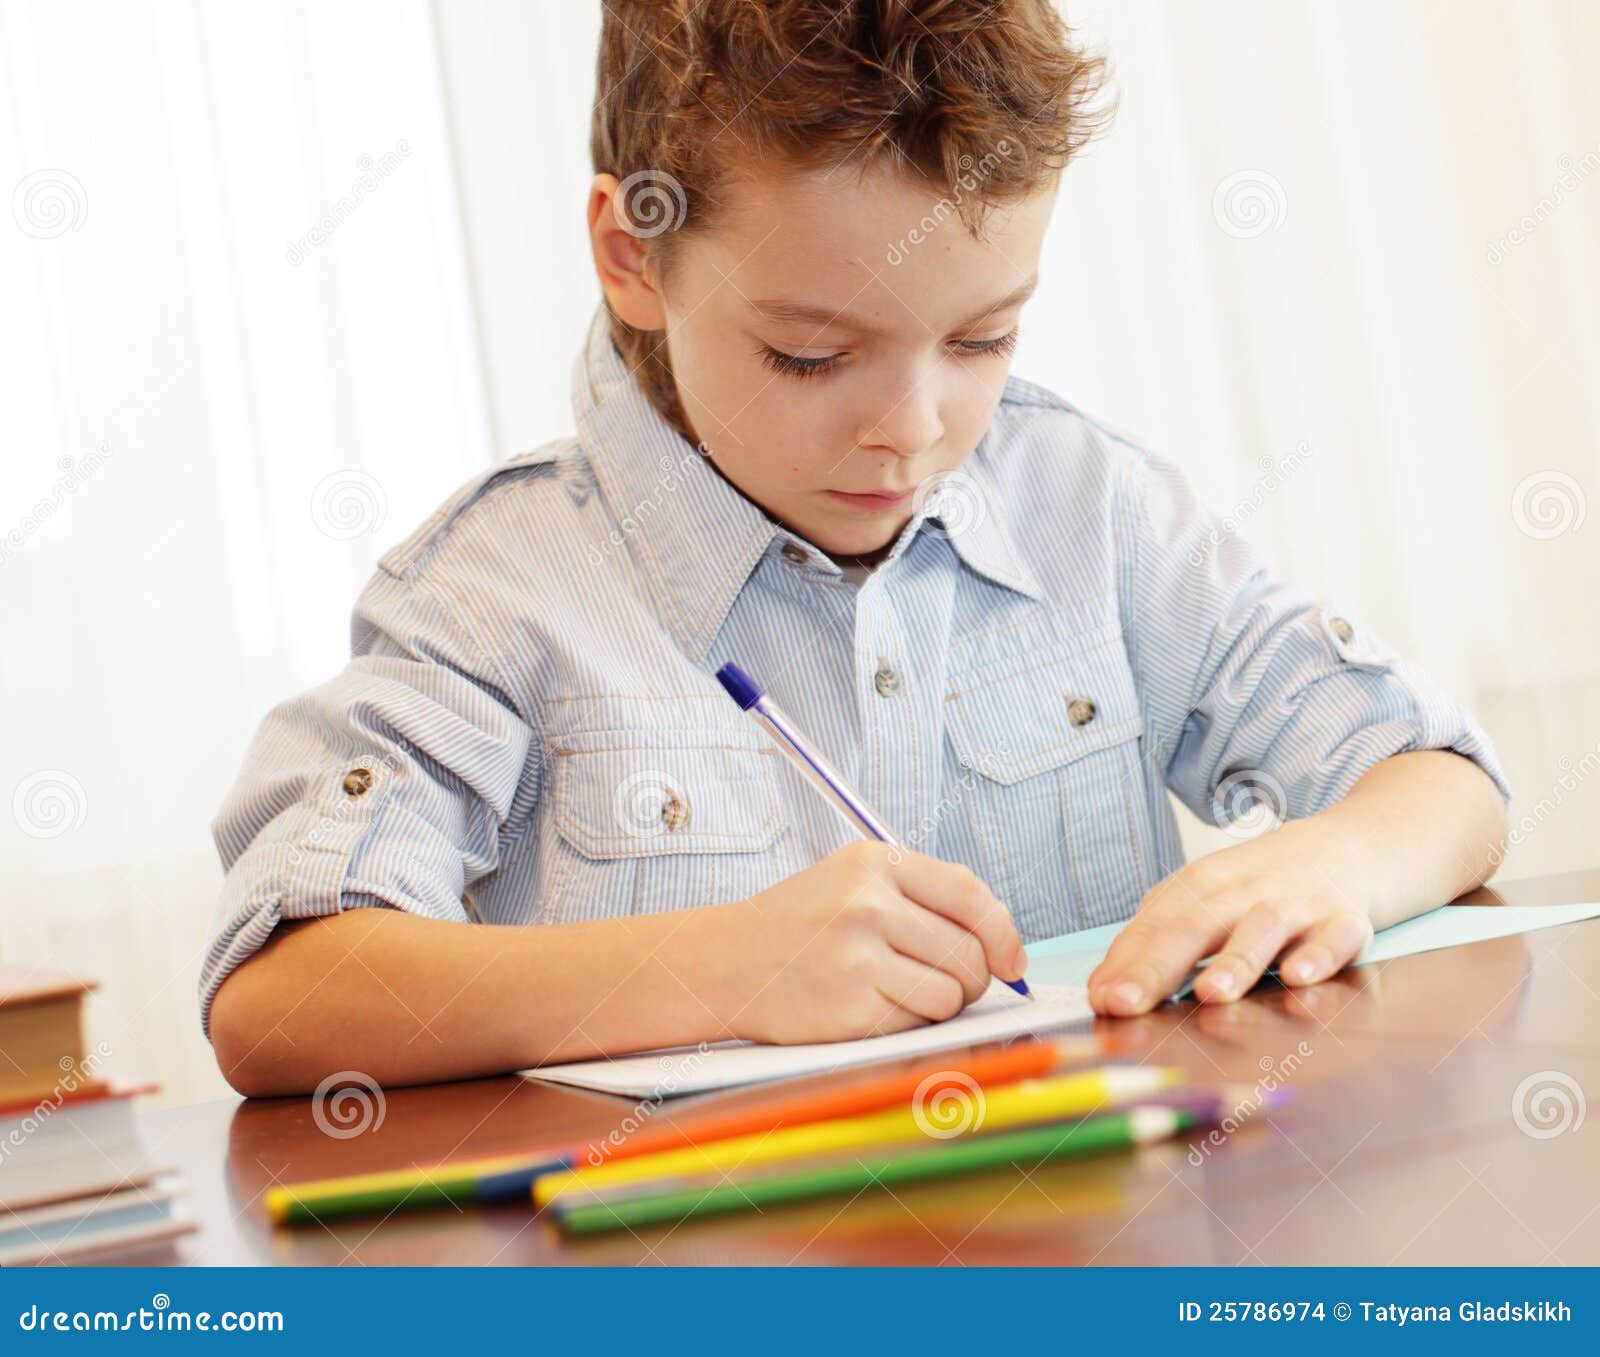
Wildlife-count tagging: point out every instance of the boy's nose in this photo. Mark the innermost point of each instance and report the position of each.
(907, 427)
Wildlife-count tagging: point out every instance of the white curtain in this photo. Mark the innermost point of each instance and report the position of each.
(276, 277)
(240, 359)
(1341, 260)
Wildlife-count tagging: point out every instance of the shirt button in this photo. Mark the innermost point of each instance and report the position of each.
(358, 781)
(674, 811)
(886, 680)
(794, 553)
(1341, 628)
(1080, 710)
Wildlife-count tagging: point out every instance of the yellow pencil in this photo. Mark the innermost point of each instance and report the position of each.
(962, 1110)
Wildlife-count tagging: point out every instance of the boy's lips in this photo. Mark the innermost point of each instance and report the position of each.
(872, 501)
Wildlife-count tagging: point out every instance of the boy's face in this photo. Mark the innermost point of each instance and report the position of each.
(828, 383)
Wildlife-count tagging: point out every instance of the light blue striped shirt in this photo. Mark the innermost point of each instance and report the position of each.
(530, 731)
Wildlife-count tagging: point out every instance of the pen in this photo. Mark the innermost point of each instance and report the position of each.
(817, 771)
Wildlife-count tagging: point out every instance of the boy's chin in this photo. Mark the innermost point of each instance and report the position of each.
(857, 539)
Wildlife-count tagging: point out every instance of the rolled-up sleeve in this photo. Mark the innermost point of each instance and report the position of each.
(389, 785)
(1256, 694)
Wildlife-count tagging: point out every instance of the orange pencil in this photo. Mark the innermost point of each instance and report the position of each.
(1021, 1060)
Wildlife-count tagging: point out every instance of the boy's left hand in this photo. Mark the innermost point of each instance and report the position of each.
(1299, 886)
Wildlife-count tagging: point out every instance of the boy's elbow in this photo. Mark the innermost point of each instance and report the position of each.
(254, 1057)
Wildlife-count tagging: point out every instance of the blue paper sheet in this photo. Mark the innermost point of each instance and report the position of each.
(1067, 960)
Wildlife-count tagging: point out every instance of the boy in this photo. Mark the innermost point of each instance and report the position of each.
(815, 225)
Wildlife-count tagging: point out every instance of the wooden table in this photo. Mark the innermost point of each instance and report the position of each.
(1408, 1142)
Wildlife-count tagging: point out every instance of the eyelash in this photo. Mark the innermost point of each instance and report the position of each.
(790, 365)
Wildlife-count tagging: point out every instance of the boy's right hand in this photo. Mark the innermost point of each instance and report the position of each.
(872, 939)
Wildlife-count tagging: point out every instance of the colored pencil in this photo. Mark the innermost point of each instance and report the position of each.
(979, 1109)
(1208, 1105)
(510, 1177)
(942, 1159)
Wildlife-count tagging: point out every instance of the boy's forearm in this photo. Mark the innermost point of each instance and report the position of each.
(1428, 824)
(407, 1000)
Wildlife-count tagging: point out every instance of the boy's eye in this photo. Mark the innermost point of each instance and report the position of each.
(794, 365)
(1004, 344)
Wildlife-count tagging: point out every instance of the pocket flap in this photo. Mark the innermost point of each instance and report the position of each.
(631, 794)
(1014, 718)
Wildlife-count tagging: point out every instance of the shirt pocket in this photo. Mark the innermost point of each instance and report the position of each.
(1048, 746)
(641, 822)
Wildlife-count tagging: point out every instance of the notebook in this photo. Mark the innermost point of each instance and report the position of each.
(1069, 959)
(690, 1069)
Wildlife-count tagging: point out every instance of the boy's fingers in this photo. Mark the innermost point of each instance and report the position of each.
(957, 893)
(1331, 946)
(925, 992)
(1263, 932)
(1150, 958)
(933, 940)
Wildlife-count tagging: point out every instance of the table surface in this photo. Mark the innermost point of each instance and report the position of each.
(1437, 1118)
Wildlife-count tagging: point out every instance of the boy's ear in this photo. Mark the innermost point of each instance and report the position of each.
(620, 257)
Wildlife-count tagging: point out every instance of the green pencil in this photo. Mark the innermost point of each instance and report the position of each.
(944, 1159)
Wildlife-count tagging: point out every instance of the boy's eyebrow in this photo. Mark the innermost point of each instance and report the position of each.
(783, 310)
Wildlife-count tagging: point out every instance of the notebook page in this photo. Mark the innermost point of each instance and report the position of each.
(666, 1074)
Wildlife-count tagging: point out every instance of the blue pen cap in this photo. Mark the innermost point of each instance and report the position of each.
(740, 686)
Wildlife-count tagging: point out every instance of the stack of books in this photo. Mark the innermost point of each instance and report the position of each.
(74, 1179)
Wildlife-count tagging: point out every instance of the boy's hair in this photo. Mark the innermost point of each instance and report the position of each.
(985, 99)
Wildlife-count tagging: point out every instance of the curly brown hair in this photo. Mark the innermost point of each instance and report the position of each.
(690, 92)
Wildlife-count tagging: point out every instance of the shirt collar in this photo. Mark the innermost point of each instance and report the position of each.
(698, 539)
(967, 508)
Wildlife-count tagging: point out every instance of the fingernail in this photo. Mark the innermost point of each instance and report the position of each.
(1019, 963)
(1222, 981)
(1315, 962)
(1128, 994)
